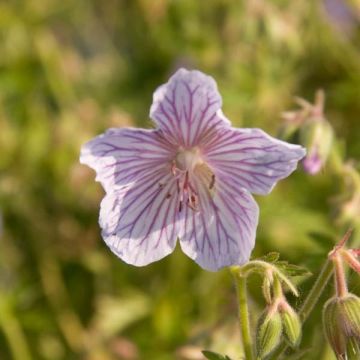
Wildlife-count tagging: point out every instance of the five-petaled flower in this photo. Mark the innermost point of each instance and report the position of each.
(190, 178)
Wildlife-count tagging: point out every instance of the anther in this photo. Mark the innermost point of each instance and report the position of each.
(191, 206)
(186, 181)
(212, 182)
(173, 167)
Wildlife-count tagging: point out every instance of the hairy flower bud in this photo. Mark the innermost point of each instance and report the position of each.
(341, 320)
(317, 136)
(350, 307)
(333, 328)
(268, 332)
(291, 323)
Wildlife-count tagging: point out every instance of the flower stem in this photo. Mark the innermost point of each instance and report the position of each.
(310, 301)
(316, 290)
(340, 279)
(278, 294)
(240, 284)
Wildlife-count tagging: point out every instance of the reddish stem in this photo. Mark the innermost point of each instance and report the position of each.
(339, 276)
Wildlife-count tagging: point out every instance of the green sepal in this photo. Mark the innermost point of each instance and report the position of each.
(292, 270)
(271, 257)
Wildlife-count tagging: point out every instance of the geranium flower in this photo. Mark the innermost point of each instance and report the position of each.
(188, 179)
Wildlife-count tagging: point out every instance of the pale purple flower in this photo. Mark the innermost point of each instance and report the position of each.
(188, 179)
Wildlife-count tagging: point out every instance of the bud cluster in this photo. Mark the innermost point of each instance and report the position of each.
(279, 318)
(341, 314)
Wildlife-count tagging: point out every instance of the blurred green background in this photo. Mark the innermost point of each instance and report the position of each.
(70, 69)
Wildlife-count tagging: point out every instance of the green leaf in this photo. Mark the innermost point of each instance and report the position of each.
(214, 356)
(271, 257)
(292, 270)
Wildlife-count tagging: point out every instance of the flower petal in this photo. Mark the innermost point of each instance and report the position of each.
(187, 107)
(222, 233)
(121, 156)
(139, 221)
(251, 159)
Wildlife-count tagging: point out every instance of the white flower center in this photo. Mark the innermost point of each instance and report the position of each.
(188, 164)
(188, 159)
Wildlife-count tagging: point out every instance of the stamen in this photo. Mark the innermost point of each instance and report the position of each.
(192, 202)
(185, 166)
(173, 167)
(186, 181)
(212, 182)
(191, 206)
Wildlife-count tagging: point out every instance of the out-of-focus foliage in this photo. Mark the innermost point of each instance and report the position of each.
(71, 68)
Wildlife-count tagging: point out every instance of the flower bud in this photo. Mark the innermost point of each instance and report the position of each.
(292, 324)
(317, 136)
(350, 307)
(341, 320)
(333, 328)
(268, 332)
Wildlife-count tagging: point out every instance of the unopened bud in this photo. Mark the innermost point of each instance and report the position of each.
(350, 308)
(333, 328)
(268, 333)
(317, 136)
(292, 324)
(341, 320)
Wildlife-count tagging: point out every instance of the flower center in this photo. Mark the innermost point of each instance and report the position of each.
(187, 160)
(188, 165)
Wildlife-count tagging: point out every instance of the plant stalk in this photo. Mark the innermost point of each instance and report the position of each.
(240, 284)
(316, 291)
(339, 276)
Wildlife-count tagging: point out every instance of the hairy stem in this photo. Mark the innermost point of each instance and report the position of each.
(240, 284)
(339, 276)
(316, 290)
(278, 293)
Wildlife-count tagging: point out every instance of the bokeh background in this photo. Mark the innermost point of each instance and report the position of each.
(70, 69)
